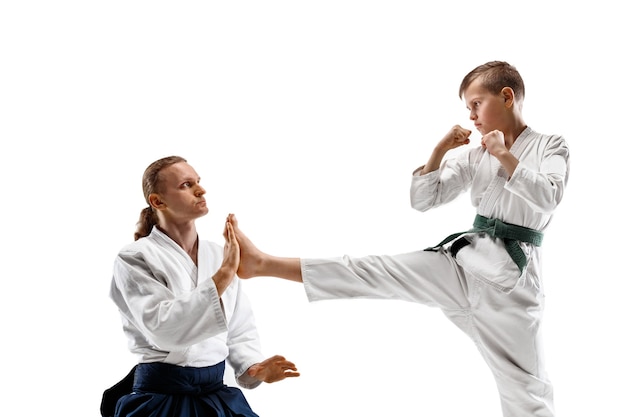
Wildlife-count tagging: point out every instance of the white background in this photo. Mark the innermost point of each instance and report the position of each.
(306, 120)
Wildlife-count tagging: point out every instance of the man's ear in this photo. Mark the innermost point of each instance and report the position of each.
(508, 95)
(156, 202)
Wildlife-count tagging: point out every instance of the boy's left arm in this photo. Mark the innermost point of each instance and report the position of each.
(494, 143)
(543, 188)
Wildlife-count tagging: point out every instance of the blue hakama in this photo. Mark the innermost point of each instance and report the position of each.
(166, 390)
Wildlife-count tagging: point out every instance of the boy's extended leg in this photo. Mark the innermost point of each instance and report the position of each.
(430, 278)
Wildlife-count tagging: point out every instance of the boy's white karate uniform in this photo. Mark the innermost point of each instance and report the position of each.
(481, 289)
(171, 311)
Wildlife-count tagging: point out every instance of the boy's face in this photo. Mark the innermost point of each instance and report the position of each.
(487, 110)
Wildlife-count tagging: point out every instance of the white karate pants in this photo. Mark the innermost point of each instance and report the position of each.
(504, 327)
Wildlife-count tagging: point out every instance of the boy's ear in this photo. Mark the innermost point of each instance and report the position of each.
(508, 95)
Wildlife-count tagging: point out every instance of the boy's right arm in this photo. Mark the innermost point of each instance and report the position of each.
(457, 136)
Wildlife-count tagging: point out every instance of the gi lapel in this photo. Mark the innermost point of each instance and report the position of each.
(499, 175)
(202, 270)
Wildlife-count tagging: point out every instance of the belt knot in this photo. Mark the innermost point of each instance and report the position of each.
(510, 234)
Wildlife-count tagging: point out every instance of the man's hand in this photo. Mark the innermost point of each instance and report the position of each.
(273, 369)
(231, 247)
(225, 274)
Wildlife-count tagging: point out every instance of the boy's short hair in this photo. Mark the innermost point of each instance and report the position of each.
(495, 75)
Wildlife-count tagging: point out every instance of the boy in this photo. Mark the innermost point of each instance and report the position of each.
(487, 280)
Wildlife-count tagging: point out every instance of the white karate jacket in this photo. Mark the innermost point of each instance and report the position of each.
(171, 311)
(528, 198)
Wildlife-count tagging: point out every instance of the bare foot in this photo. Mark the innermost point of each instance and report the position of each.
(251, 257)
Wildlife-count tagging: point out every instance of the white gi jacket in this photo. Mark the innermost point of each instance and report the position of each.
(171, 311)
(528, 198)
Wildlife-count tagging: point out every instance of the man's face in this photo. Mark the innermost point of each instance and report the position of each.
(181, 193)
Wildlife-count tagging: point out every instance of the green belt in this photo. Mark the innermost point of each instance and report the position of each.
(510, 234)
